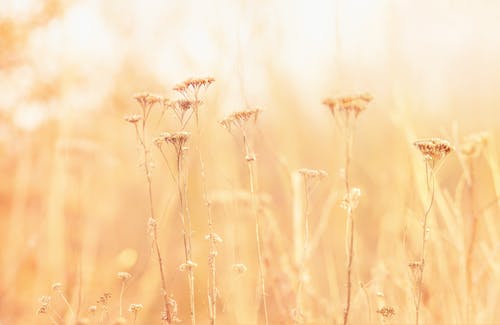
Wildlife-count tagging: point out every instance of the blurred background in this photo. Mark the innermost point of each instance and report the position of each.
(73, 197)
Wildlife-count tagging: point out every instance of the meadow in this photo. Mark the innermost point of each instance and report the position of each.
(265, 162)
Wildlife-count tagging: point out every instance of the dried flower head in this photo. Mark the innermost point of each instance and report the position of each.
(57, 286)
(239, 268)
(312, 173)
(474, 144)
(193, 84)
(124, 276)
(214, 238)
(104, 299)
(152, 226)
(433, 149)
(170, 315)
(351, 200)
(135, 308)
(147, 99)
(134, 118)
(177, 139)
(183, 109)
(386, 311)
(240, 118)
(188, 266)
(348, 105)
(44, 305)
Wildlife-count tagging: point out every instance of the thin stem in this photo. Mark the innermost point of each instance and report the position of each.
(212, 285)
(66, 302)
(349, 223)
(250, 159)
(420, 279)
(472, 240)
(186, 223)
(122, 290)
(141, 138)
(298, 304)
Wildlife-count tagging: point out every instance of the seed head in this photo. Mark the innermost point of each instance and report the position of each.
(433, 149)
(351, 199)
(177, 139)
(135, 308)
(312, 173)
(193, 84)
(134, 118)
(386, 311)
(124, 276)
(240, 118)
(57, 286)
(350, 105)
(239, 268)
(147, 100)
(214, 238)
(189, 265)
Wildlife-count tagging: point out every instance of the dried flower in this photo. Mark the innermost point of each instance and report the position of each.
(239, 268)
(124, 276)
(351, 200)
(44, 305)
(386, 312)
(188, 266)
(350, 105)
(171, 314)
(312, 173)
(214, 238)
(57, 286)
(433, 149)
(135, 308)
(134, 118)
(240, 118)
(193, 85)
(104, 299)
(177, 139)
(147, 99)
(183, 109)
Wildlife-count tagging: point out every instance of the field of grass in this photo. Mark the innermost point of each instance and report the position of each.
(236, 162)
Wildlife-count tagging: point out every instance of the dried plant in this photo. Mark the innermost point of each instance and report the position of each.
(178, 141)
(190, 90)
(345, 111)
(103, 301)
(45, 309)
(146, 102)
(241, 121)
(135, 309)
(310, 179)
(434, 151)
(57, 288)
(123, 277)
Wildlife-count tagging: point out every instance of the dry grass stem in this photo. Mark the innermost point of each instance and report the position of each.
(345, 111)
(434, 151)
(240, 120)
